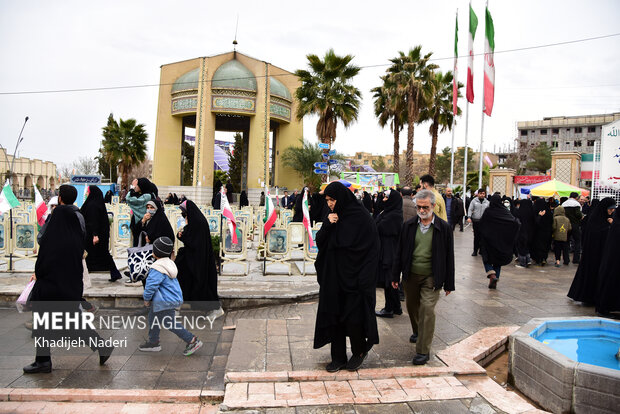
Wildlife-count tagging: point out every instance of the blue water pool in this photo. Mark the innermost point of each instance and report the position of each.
(584, 341)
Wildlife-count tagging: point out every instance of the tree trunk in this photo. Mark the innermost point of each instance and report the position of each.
(431, 161)
(410, 126)
(124, 175)
(396, 161)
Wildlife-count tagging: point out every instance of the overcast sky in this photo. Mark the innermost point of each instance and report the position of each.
(81, 44)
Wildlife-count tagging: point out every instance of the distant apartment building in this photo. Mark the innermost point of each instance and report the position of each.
(563, 133)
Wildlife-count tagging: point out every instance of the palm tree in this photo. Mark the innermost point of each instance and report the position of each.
(411, 73)
(301, 159)
(390, 107)
(439, 111)
(326, 91)
(124, 144)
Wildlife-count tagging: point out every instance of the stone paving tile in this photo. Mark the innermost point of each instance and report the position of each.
(103, 408)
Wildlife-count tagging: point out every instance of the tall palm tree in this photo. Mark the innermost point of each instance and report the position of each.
(439, 111)
(411, 72)
(390, 107)
(326, 91)
(124, 143)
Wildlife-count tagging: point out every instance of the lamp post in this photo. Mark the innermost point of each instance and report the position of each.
(19, 141)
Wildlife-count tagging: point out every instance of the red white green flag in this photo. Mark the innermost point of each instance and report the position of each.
(270, 213)
(40, 207)
(228, 214)
(455, 79)
(306, 211)
(7, 198)
(489, 64)
(473, 25)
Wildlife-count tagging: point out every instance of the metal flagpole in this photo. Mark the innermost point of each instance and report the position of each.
(465, 157)
(452, 159)
(456, 82)
(481, 142)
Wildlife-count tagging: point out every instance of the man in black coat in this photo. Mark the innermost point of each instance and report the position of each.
(285, 200)
(425, 258)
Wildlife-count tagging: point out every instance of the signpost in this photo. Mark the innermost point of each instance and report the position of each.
(320, 171)
(321, 165)
(323, 146)
(324, 167)
(331, 153)
(333, 162)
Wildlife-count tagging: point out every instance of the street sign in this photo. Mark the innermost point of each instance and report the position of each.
(320, 165)
(323, 146)
(332, 153)
(325, 156)
(332, 162)
(319, 171)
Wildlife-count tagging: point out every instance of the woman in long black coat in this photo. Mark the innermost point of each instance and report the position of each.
(243, 199)
(608, 298)
(524, 211)
(499, 230)
(541, 240)
(98, 234)
(195, 260)
(585, 284)
(346, 266)
(389, 223)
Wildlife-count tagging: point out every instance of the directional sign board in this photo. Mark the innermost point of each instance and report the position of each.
(320, 165)
(319, 171)
(323, 146)
(332, 153)
(332, 162)
(325, 156)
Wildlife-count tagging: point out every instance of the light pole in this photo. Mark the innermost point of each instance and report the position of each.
(19, 141)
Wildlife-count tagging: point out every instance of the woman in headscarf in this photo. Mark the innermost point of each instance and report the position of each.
(196, 263)
(215, 200)
(229, 192)
(389, 224)
(98, 234)
(608, 298)
(498, 231)
(585, 284)
(59, 285)
(143, 191)
(318, 208)
(155, 223)
(367, 201)
(524, 211)
(243, 199)
(346, 266)
(175, 199)
(541, 240)
(108, 197)
(298, 212)
(169, 199)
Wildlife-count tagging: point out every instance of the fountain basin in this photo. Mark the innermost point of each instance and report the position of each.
(563, 379)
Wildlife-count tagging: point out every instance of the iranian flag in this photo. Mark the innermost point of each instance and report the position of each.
(40, 207)
(228, 214)
(306, 212)
(455, 80)
(270, 213)
(473, 25)
(489, 64)
(7, 198)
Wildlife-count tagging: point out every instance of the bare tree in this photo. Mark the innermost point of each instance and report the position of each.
(144, 169)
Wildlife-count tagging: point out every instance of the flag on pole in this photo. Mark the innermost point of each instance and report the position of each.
(277, 199)
(473, 24)
(306, 220)
(455, 80)
(270, 213)
(7, 198)
(228, 214)
(488, 161)
(40, 207)
(489, 64)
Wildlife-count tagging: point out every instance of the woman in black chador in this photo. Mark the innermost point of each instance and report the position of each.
(243, 199)
(585, 283)
(541, 240)
(608, 298)
(155, 223)
(346, 267)
(195, 260)
(389, 224)
(524, 211)
(98, 234)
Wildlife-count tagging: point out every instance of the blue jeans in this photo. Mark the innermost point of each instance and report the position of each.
(489, 267)
(165, 318)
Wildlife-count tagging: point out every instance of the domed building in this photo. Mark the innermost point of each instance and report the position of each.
(228, 92)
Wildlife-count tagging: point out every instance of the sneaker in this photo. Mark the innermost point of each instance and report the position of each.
(335, 366)
(356, 361)
(137, 283)
(193, 346)
(149, 347)
(214, 314)
(493, 282)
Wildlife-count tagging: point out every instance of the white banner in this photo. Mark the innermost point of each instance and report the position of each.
(610, 155)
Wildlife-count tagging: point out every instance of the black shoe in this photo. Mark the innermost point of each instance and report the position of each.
(398, 312)
(115, 278)
(493, 282)
(420, 359)
(474, 254)
(38, 367)
(384, 314)
(356, 361)
(126, 273)
(413, 338)
(335, 366)
(104, 354)
(401, 296)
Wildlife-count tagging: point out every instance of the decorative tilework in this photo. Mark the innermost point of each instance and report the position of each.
(563, 170)
(499, 184)
(225, 103)
(280, 111)
(184, 104)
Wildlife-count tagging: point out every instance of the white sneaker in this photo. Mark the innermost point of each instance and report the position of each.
(214, 314)
(133, 284)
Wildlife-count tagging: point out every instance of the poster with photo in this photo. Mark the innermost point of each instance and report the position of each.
(24, 236)
(277, 241)
(2, 236)
(214, 224)
(124, 232)
(229, 246)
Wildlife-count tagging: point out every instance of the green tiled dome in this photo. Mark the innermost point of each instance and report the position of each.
(233, 75)
(277, 88)
(187, 81)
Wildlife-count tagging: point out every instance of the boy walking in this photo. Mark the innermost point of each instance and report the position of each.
(162, 295)
(561, 229)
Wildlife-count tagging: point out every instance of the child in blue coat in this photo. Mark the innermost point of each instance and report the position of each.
(162, 295)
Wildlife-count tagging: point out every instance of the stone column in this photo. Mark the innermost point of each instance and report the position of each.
(566, 166)
(501, 180)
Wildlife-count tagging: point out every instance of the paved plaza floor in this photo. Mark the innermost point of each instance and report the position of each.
(278, 338)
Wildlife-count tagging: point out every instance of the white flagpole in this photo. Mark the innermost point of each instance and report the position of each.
(465, 155)
(454, 121)
(482, 123)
